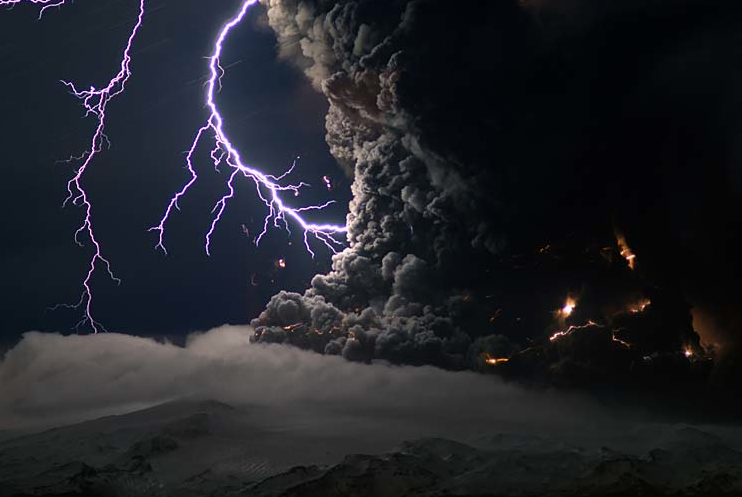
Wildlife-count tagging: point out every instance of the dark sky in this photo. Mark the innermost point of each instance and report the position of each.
(271, 111)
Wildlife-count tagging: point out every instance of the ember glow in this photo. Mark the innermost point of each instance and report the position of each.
(619, 341)
(495, 360)
(640, 306)
(567, 309)
(625, 250)
(589, 324)
(569, 306)
(568, 331)
(268, 187)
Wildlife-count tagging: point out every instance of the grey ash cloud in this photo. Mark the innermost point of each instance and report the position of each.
(416, 209)
(494, 150)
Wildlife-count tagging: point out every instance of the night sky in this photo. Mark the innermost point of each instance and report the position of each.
(271, 111)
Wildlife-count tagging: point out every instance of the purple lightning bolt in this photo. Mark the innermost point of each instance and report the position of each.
(45, 4)
(95, 101)
(268, 187)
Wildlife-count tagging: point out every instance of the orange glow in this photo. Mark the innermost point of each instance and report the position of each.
(569, 307)
(495, 360)
(618, 340)
(293, 327)
(688, 352)
(640, 306)
(626, 251)
(560, 334)
(496, 315)
(568, 331)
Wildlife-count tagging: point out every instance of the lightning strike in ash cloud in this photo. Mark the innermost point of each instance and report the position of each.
(268, 187)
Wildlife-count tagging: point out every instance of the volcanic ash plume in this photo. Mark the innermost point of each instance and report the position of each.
(418, 216)
(473, 219)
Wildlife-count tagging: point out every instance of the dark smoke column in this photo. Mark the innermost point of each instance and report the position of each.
(398, 79)
(464, 231)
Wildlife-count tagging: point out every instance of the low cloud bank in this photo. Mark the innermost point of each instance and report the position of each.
(49, 379)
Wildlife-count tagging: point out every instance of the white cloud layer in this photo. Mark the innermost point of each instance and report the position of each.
(48, 379)
(51, 379)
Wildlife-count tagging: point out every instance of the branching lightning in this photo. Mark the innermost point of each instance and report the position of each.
(95, 101)
(45, 4)
(269, 188)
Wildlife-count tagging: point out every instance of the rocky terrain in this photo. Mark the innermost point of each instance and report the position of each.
(212, 449)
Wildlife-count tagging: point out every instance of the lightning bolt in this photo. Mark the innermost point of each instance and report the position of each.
(45, 4)
(95, 101)
(268, 187)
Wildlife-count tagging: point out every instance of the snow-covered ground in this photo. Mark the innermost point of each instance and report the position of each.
(199, 448)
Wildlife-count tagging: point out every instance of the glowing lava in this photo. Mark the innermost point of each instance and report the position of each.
(589, 324)
(268, 187)
(619, 341)
(567, 309)
(569, 306)
(625, 250)
(640, 306)
(560, 334)
(495, 360)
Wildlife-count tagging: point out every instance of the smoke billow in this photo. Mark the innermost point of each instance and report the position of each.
(506, 157)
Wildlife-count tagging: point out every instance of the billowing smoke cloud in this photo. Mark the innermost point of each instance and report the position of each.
(495, 151)
(392, 294)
